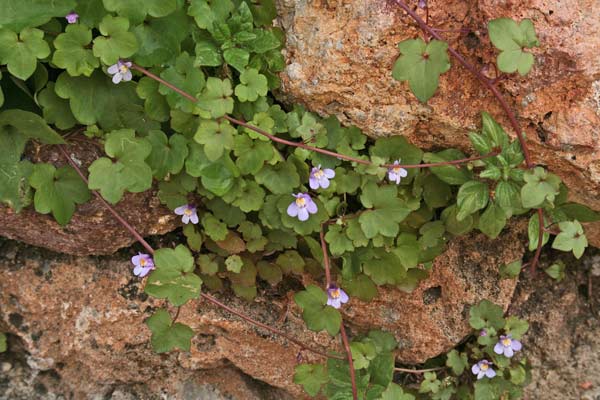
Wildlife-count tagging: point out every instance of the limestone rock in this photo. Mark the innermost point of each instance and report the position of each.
(83, 317)
(93, 229)
(340, 56)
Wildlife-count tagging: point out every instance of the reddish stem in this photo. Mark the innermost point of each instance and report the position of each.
(490, 84)
(126, 224)
(208, 297)
(302, 145)
(350, 363)
(325, 258)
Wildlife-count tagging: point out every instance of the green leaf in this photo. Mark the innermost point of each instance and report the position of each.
(58, 191)
(234, 264)
(311, 377)
(556, 271)
(96, 100)
(56, 110)
(167, 155)
(384, 268)
(472, 196)
(385, 213)
(579, 212)
(207, 54)
(486, 314)
(251, 198)
(160, 39)
(2, 342)
(14, 187)
(511, 39)
(173, 278)
(421, 64)
(206, 12)
(186, 77)
(395, 392)
(29, 125)
(338, 241)
(493, 220)
(361, 287)
(216, 137)
(430, 384)
(451, 174)
(533, 231)
(540, 186)
(116, 42)
(155, 105)
(281, 178)
(216, 97)
(571, 238)
(21, 52)
(252, 85)
(315, 313)
(136, 10)
(166, 335)
(237, 58)
(457, 361)
(511, 270)
(72, 52)
(20, 14)
(516, 327)
(381, 369)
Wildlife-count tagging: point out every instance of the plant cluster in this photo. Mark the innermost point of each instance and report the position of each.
(179, 94)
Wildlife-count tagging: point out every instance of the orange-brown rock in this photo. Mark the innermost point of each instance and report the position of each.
(340, 56)
(93, 229)
(84, 317)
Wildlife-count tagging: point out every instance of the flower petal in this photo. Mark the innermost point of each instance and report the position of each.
(127, 76)
(343, 296)
(302, 214)
(403, 173)
(475, 369)
(329, 173)
(194, 218)
(185, 219)
(135, 260)
(117, 78)
(292, 209)
(313, 183)
(324, 183)
(499, 348)
(490, 373)
(311, 206)
(113, 69)
(516, 345)
(181, 209)
(508, 352)
(480, 375)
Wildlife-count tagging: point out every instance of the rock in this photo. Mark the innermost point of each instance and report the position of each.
(83, 317)
(340, 57)
(563, 341)
(93, 229)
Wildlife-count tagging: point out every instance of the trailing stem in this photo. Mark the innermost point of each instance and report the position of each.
(491, 85)
(205, 296)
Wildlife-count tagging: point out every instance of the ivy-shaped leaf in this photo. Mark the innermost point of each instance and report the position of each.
(17, 15)
(21, 52)
(216, 137)
(155, 105)
(252, 85)
(571, 238)
(421, 64)
(317, 315)
(56, 110)
(14, 187)
(311, 377)
(511, 38)
(216, 97)
(166, 335)
(57, 191)
(173, 278)
(385, 211)
(72, 52)
(540, 186)
(168, 154)
(136, 10)
(160, 38)
(486, 314)
(184, 76)
(116, 41)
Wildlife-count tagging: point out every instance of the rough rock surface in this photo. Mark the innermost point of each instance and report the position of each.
(83, 317)
(340, 56)
(93, 229)
(563, 342)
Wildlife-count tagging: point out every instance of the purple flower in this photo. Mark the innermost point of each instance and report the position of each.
(320, 177)
(120, 71)
(72, 17)
(143, 264)
(422, 4)
(336, 297)
(189, 213)
(483, 368)
(507, 346)
(483, 332)
(302, 206)
(396, 173)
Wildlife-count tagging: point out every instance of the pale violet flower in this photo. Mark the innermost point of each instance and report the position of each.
(320, 177)
(121, 71)
(396, 173)
(336, 297)
(143, 264)
(507, 346)
(188, 213)
(483, 369)
(302, 206)
(72, 17)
